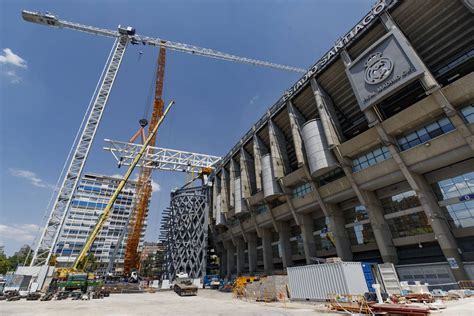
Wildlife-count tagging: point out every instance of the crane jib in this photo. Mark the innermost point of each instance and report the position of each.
(51, 20)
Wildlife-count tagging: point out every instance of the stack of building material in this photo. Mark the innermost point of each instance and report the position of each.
(270, 288)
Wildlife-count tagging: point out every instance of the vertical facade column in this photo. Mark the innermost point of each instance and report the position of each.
(230, 259)
(259, 149)
(240, 248)
(224, 191)
(252, 252)
(382, 234)
(338, 230)
(280, 161)
(267, 250)
(232, 176)
(307, 229)
(296, 121)
(439, 224)
(284, 234)
(223, 263)
(327, 115)
(247, 174)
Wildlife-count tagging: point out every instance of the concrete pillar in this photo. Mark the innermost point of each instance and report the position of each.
(279, 154)
(296, 121)
(224, 191)
(247, 174)
(259, 150)
(223, 263)
(382, 234)
(307, 229)
(240, 247)
(267, 250)
(440, 226)
(327, 115)
(284, 233)
(230, 259)
(232, 176)
(252, 251)
(339, 233)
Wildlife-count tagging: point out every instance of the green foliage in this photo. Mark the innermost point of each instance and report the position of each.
(152, 265)
(18, 258)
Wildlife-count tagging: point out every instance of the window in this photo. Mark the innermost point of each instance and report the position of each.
(468, 113)
(400, 202)
(409, 225)
(361, 234)
(262, 208)
(302, 190)
(370, 158)
(331, 176)
(425, 133)
(355, 214)
(460, 215)
(456, 186)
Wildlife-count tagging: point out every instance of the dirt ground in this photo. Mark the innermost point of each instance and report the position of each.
(208, 302)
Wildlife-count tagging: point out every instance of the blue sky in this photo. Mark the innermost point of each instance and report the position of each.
(47, 77)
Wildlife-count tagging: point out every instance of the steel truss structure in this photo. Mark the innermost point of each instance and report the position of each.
(184, 230)
(52, 228)
(160, 158)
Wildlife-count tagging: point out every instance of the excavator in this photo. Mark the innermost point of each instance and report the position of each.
(73, 278)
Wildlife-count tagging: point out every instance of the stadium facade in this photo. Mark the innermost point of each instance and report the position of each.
(368, 157)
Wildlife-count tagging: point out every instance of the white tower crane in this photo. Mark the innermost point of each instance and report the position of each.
(80, 149)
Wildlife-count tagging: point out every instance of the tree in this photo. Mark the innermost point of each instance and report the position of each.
(5, 264)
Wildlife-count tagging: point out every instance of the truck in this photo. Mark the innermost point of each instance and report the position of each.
(183, 285)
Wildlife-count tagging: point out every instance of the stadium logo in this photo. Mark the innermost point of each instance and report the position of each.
(377, 68)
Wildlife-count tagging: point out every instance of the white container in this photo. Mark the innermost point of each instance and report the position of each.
(314, 282)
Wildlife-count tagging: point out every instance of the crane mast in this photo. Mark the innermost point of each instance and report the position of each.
(144, 189)
(80, 150)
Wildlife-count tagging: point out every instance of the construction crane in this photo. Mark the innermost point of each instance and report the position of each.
(144, 190)
(105, 214)
(81, 146)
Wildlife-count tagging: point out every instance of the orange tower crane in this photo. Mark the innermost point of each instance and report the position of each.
(144, 190)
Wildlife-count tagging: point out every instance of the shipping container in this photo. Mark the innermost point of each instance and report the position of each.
(314, 282)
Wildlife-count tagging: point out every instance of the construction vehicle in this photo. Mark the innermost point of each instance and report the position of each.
(80, 148)
(184, 286)
(73, 278)
(211, 281)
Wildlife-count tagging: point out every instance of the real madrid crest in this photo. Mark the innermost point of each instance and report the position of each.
(377, 68)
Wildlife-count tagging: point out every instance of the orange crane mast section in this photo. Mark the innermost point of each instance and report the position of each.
(144, 189)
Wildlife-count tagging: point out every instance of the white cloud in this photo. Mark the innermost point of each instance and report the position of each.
(24, 233)
(10, 58)
(14, 78)
(254, 99)
(31, 177)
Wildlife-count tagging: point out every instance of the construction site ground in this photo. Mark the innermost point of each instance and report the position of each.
(208, 302)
